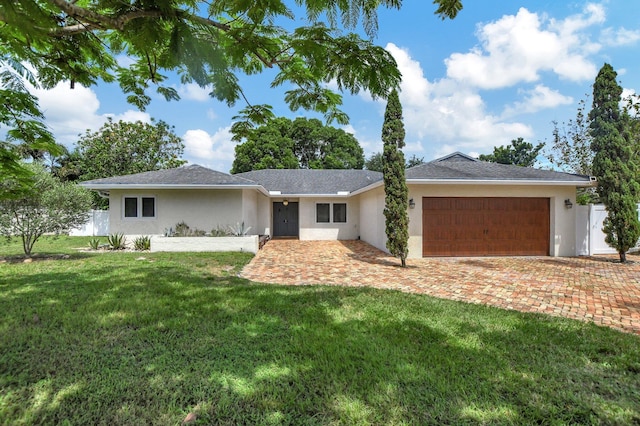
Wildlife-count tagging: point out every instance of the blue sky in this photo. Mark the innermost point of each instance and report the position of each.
(502, 69)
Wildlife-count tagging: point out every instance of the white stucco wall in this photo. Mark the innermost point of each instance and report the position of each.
(264, 215)
(372, 218)
(562, 238)
(201, 209)
(250, 210)
(204, 244)
(311, 230)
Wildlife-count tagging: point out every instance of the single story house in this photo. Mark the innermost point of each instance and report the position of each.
(458, 206)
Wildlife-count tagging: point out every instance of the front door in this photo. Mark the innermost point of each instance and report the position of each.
(285, 220)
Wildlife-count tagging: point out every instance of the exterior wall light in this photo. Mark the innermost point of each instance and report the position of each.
(412, 204)
(285, 202)
(567, 203)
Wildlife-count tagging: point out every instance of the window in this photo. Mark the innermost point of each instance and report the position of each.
(322, 213)
(340, 213)
(324, 210)
(147, 207)
(130, 207)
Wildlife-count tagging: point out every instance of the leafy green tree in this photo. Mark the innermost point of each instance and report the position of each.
(27, 133)
(633, 125)
(395, 185)
(571, 150)
(266, 149)
(614, 164)
(413, 161)
(66, 167)
(520, 153)
(301, 143)
(375, 162)
(122, 147)
(210, 43)
(49, 206)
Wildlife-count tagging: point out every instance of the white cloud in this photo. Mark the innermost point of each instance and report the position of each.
(447, 112)
(70, 112)
(215, 151)
(539, 98)
(211, 114)
(193, 92)
(517, 48)
(619, 37)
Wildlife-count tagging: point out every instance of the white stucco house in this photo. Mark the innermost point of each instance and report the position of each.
(459, 206)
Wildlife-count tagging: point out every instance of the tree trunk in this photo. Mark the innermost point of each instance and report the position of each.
(623, 257)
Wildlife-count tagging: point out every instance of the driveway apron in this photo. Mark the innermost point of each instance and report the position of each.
(595, 289)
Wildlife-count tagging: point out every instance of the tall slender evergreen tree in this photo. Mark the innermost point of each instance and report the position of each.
(614, 164)
(395, 185)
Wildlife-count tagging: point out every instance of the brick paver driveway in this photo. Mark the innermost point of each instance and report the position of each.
(588, 289)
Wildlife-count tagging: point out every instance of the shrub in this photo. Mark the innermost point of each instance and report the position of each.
(219, 232)
(183, 230)
(142, 243)
(40, 205)
(117, 242)
(239, 230)
(94, 243)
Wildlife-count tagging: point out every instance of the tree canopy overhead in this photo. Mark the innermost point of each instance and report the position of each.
(209, 43)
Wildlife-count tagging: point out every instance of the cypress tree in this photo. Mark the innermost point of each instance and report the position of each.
(395, 185)
(613, 164)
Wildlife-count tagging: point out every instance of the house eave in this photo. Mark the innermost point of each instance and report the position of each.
(294, 195)
(511, 182)
(105, 188)
(368, 187)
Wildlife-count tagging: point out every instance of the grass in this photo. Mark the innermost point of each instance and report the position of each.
(125, 338)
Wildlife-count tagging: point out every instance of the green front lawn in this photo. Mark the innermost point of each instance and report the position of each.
(131, 338)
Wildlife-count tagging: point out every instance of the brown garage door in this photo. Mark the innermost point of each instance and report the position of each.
(485, 226)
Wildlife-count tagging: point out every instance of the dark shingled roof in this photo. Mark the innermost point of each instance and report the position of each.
(305, 181)
(456, 166)
(187, 175)
(459, 166)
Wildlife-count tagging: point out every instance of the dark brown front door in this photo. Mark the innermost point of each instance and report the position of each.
(473, 226)
(285, 220)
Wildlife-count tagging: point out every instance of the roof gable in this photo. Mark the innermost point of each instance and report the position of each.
(456, 156)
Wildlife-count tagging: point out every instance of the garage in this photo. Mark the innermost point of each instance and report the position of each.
(485, 226)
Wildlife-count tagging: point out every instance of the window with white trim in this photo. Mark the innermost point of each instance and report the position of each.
(322, 213)
(326, 211)
(339, 212)
(139, 207)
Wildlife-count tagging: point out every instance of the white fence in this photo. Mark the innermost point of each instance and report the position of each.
(589, 234)
(97, 225)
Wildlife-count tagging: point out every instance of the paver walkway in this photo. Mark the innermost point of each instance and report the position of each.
(590, 289)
